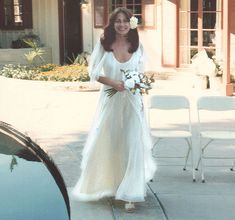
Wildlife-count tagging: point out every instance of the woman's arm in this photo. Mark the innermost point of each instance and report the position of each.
(116, 84)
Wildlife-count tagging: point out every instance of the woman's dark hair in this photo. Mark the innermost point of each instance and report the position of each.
(109, 34)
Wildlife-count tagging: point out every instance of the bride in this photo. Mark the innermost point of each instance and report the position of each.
(117, 160)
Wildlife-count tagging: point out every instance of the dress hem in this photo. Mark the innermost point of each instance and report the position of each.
(97, 196)
(91, 197)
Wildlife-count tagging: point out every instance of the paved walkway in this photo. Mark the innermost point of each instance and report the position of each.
(58, 117)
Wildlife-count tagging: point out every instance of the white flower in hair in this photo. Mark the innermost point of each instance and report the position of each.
(133, 22)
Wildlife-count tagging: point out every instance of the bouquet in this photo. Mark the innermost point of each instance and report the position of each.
(135, 82)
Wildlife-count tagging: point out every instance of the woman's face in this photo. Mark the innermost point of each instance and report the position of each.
(121, 24)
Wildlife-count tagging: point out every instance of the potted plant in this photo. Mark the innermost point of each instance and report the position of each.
(20, 42)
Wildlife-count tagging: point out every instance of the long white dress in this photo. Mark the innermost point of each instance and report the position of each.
(117, 158)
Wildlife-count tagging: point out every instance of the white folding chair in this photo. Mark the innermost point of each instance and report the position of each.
(166, 105)
(213, 120)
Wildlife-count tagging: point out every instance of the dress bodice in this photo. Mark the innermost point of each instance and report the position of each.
(112, 67)
(104, 63)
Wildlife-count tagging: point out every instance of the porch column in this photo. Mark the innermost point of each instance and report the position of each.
(169, 33)
(228, 87)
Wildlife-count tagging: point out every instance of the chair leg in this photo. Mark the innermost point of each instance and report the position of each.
(202, 149)
(186, 159)
(189, 142)
(192, 161)
(232, 168)
(202, 170)
(199, 160)
(202, 162)
(154, 146)
(188, 152)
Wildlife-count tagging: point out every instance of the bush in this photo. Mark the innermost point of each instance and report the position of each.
(49, 72)
(47, 67)
(81, 59)
(20, 42)
(18, 72)
(73, 72)
(232, 78)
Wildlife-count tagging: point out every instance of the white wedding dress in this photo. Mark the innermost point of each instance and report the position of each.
(117, 159)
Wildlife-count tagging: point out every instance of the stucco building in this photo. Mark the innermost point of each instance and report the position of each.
(172, 31)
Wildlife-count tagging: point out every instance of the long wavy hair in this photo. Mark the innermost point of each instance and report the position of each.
(109, 34)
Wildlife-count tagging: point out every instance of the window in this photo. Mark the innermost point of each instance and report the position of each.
(15, 14)
(200, 28)
(144, 10)
(134, 6)
(100, 15)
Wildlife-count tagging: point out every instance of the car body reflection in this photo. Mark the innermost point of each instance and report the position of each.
(31, 186)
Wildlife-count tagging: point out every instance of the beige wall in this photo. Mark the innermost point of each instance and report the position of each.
(45, 24)
(7, 36)
(17, 56)
(90, 34)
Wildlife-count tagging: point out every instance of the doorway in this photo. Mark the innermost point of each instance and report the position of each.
(70, 21)
(199, 28)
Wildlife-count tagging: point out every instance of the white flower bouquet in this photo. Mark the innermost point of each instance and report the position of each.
(135, 82)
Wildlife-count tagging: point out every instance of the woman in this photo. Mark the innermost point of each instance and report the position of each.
(117, 157)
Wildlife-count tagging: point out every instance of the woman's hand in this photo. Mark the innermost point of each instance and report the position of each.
(118, 85)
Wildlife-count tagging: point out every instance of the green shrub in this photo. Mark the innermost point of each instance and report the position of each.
(232, 78)
(20, 42)
(74, 72)
(49, 72)
(36, 51)
(47, 67)
(81, 59)
(18, 71)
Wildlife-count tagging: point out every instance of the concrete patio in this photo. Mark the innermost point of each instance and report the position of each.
(58, 117)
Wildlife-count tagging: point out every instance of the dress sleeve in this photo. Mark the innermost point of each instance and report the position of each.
(95, 64)
(141, 64)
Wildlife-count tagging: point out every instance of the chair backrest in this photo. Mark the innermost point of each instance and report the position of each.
(171, 103)
(216, 103)
(168, 102)
(211, 112)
